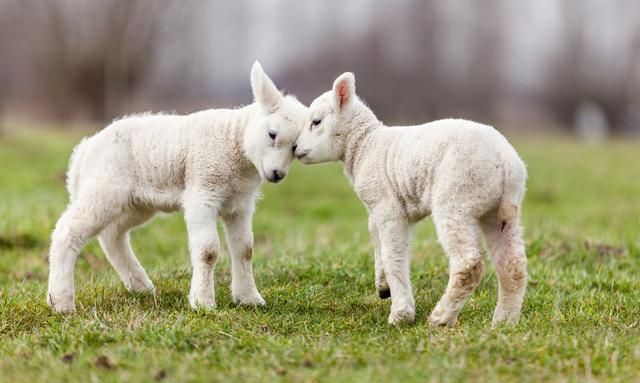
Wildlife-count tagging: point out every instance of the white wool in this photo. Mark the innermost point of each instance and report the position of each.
(208, 164)
(466, 175)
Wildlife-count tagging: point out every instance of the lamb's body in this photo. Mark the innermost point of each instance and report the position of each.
(207, 164)
(470, 178)
(151, 161)
(466, 175)
(442, 165)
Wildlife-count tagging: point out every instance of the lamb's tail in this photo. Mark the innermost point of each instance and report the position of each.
(515, 176)
(73, 172)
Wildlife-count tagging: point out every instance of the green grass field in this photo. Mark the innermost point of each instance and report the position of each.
(313, 264)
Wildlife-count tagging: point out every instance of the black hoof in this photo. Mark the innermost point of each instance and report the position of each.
(384, 294)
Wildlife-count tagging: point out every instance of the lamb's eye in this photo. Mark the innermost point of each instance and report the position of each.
(272, 135)
(316, 122)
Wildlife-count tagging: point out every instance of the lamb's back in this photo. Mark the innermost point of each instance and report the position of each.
(454, 160)
(135, 152)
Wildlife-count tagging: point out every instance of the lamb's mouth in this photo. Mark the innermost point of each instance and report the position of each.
(305, 159)
(274, 181)
(271, 178)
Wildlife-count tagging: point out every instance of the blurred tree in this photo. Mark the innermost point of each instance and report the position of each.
(92, 57)
(418, 63)
(4, 50)
(583, 71)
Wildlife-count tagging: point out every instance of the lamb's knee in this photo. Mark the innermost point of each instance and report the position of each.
(469, 274)
(513, 275)
(77, 225)
(246, 253)
(210, 251)
(205, 249)
(209, 256)
(67, 237)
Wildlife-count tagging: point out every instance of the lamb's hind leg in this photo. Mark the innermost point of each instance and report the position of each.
(460, 238)
(115, 242)
(507, 253)
(74, 228)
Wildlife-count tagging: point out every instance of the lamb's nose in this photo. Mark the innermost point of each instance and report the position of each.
(277, 175)
(300, 154)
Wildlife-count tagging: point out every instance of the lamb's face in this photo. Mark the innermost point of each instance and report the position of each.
(323, 138)
(320, 140)
(269, 140)
(273, 137)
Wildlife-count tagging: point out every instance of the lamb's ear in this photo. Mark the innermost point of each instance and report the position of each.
(344, 90)
(264, 90)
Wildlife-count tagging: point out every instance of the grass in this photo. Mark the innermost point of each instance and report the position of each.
(323, 321)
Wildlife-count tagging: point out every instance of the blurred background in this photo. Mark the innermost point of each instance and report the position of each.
(570, 66)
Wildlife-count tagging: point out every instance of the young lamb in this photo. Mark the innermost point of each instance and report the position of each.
(466, 175)
(208, 164)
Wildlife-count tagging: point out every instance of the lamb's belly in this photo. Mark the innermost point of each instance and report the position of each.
(165, 200)
(415, 196)
(242, 194)
(234, 204)
(417, 210)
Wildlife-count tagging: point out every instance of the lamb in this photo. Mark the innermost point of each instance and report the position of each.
(208, 164)
(466, 175)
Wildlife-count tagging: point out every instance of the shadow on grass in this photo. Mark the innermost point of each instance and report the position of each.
(20, 241)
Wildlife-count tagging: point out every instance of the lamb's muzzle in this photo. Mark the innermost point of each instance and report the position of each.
(276, 176)
(301, 153)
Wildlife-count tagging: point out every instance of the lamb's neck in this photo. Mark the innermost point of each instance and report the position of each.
(363, 123)
(239, 121)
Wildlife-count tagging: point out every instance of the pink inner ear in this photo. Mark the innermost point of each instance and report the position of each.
(342, 93)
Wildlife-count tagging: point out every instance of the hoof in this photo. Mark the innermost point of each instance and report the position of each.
(502, 318)
(442, 320)
(384, 294)
(202, 303)
(402, 317)
(251, 300)
(61, 305)
(141, 287)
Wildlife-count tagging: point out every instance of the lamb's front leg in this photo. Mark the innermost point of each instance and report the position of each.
(240, 243)
(204, 246)
(395, 235)
(381, 281)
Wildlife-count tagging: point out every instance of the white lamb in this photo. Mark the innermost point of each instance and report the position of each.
(208, 164)
(466, 175)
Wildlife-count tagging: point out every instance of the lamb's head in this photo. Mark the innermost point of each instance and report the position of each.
(323, 139)
(269, 140)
